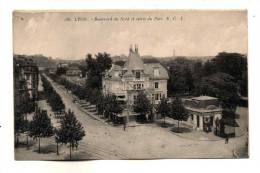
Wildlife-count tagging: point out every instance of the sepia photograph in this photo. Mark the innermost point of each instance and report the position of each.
(130, 84)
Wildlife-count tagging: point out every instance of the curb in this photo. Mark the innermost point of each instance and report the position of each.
(93, 116)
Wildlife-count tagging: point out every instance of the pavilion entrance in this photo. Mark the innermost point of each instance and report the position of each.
(208, 124)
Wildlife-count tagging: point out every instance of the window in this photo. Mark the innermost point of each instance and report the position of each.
(27, 77)
(156, 84)
(156, 72)
(156, 96)
(116, 73)
(121, 96)
(138, 86)
(137, 75)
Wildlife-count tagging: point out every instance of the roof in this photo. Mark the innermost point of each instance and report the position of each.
(149, 69)
(203, 104)
(134, 62)
(73, 68)
(115, 72)
(24, 62)
(204, 98)
(201, 110)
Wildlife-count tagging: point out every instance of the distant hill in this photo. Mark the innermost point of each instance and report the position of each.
(40, 60)
(119, 58)
(164, 60)
(44, 61)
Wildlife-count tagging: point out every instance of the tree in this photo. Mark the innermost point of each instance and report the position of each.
(53, 98)
(22, 106)
(188, 80)
(222, 86)
(100, 104)
(96, 68)
(41, 126)
(58, 139)
(142, 105)
(180, 74)
(234, 64)
(209, 68)
(20, 125)
(104, 61)
(163, 109)
(243, 83)
(71, 131)
(120, 63)
(111, 107)
(178, 112)
(61, 71)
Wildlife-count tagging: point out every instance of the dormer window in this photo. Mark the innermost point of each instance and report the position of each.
(156, 71)
(137, 75)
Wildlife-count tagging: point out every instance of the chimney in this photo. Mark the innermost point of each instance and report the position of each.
(136, 48)
(131, 48)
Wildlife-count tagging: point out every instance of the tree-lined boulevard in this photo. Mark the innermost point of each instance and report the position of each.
(104, 141)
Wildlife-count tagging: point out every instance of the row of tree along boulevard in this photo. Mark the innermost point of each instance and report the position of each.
(69, 132)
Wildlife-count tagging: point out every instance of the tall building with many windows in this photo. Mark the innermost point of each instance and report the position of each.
(126, 81)
(26, 75)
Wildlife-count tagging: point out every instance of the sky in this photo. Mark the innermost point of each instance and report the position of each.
(157, 33)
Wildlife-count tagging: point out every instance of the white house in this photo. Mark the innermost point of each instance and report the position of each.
(126, 81)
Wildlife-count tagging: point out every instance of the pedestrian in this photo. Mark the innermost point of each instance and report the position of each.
(124, 126)
(226, 140)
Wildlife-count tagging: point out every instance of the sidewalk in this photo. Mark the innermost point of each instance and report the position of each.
(81, 103)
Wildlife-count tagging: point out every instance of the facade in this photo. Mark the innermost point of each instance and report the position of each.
(205, 113)
(26, 71)
(52, 70)
(64, 65)
(73, 71)
(126, 81)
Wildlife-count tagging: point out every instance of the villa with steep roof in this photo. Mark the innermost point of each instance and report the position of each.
(126, 81)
